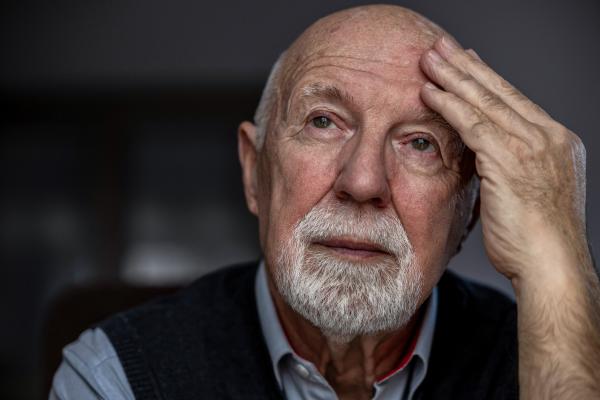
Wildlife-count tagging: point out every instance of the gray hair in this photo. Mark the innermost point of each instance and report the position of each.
(268, 102)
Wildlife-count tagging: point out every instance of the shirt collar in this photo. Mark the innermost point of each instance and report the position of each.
(275, 338)
(279, 347)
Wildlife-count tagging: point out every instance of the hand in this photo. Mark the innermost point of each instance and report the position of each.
(532, 172)
(532, 169)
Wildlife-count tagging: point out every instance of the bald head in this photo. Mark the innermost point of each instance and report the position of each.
(377, 28)
(380, 33)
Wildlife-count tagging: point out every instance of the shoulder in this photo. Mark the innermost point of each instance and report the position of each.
(218, 305)
(217, 294)
(90, 369)
(127, 352)
(194, 337)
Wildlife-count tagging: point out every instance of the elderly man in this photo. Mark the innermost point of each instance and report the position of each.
(374, 138)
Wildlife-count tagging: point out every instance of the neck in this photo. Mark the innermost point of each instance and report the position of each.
(350, 367)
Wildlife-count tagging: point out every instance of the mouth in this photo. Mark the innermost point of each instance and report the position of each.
(352, 248)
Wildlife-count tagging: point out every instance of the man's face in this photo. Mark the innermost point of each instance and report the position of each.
(351, 133)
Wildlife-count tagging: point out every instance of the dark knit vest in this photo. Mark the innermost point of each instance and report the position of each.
(205, 342)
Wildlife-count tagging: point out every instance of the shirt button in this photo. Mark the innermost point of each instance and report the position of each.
(302, 370)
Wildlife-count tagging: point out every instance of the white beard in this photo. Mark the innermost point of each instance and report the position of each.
(342, 298)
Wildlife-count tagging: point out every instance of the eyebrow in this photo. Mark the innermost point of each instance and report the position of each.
(327, 91)
(319, 90)
(431, 116)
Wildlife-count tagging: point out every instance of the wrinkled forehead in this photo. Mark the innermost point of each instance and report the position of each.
(382, 44)
(397, 63)
(360, 84)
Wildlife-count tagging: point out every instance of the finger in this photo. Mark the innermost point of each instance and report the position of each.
(475, 129)
(473, 66)
(473, 53)
(470, 90)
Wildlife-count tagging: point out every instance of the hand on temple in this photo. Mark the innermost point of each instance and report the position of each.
(532, 172)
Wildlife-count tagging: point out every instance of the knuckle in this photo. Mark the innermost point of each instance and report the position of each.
(555, 126)
(509, 91)
(574, 139)
(538, 146)
(566, 138)
(465, 79)
(560, 142)
(504, 87)
(480, 128)
(536, 108)
(490, 101)
(532, 147)
(466, 82)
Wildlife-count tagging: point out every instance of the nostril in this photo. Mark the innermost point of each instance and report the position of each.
(379, 202)
(363, 178)
(342, 195)
(374, 193)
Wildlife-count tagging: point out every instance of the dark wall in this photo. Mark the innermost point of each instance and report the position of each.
(118, 154)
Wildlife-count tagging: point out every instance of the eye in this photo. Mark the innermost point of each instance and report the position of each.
(322, 122)
(423, 145)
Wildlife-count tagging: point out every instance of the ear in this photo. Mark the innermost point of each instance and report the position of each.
(248, 159)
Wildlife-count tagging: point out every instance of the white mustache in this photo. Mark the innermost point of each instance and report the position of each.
(325, 222)
(346, 298)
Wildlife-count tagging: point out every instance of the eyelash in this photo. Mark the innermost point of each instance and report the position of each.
(323, 114)
(430, 142)
(409, 140)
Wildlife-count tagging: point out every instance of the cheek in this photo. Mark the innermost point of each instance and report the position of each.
(426, 207)
(299, 179)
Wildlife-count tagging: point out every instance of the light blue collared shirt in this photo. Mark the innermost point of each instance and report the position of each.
(91, 368)
(300, 379)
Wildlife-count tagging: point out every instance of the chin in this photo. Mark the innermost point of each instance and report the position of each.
(348, 296)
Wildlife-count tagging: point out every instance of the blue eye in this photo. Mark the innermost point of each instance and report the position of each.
(321, 122)
(422, 145)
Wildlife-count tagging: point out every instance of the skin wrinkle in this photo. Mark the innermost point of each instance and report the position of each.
(417, 32)
(451, 145)
(532, 191)
(458, 145)
(287, 94)
(552, 273)
(286, 164)
(330, 92)
(298, 56)
(320, 90)
(377, 62)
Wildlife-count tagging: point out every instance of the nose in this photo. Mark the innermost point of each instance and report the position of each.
(363, 177)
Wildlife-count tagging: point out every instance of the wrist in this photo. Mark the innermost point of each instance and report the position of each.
(551, 276)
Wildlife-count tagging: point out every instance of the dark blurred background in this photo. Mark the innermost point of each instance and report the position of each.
(118, 163)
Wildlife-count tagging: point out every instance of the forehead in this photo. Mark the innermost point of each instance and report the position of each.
(367, 62)
(364, 82)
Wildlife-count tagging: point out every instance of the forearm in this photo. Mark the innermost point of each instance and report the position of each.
(559, 333)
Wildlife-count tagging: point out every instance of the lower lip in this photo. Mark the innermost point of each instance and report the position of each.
(354, 253)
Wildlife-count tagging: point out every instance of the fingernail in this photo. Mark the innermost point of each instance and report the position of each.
(430, 86)
(449, 44)
(435, 56)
